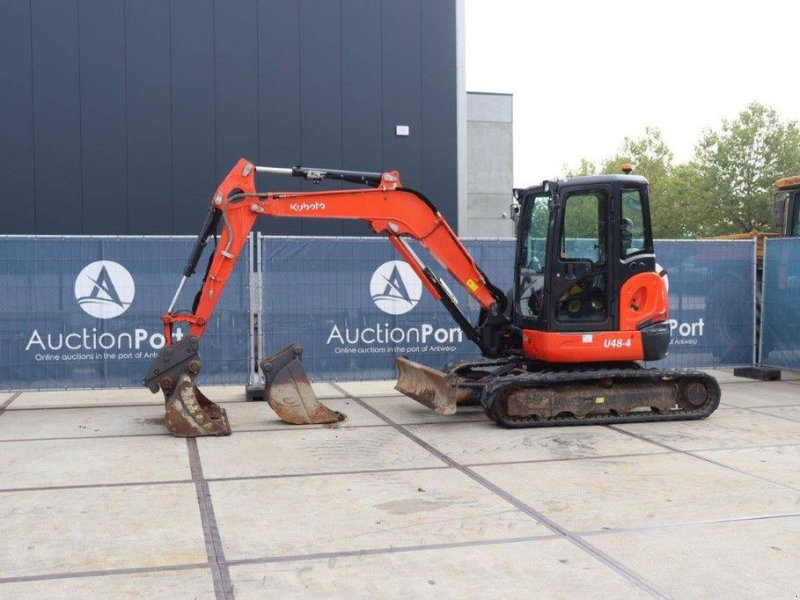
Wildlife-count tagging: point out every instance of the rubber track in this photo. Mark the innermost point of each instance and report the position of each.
(497, 389)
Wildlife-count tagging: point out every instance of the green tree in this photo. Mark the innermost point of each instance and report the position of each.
(681, 207)
(740, 163)
(672, 210)
(727, 188)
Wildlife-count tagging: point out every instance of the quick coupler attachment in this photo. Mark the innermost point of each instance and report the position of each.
(289, 392)
(188, 412)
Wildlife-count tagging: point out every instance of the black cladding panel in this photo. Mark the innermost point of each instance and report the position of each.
(120, 117)
(17, 210)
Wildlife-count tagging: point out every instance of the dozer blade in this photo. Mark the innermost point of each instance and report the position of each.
(190, 414)
(430, 387)
(289, 392)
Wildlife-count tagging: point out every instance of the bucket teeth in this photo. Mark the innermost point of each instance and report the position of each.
(190, 414)
(289, 392)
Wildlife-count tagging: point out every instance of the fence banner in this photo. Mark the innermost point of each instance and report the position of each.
(780, 306)
(83, 312)
(712, 302)
(354, 305)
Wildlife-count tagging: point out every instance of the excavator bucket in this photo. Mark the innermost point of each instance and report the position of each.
(190, 414)
(289, 392)
(441, 392)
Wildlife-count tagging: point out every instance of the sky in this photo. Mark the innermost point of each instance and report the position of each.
(585, 74)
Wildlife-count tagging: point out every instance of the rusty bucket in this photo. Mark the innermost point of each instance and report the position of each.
(441, 392)
(188, 412)
(289, 392)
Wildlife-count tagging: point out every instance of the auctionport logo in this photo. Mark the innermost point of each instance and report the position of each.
(104, 289)
(395, 288)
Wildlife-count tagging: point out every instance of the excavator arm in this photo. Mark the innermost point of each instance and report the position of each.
(388, 209)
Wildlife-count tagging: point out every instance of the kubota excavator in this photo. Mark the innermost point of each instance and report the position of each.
(562, 348)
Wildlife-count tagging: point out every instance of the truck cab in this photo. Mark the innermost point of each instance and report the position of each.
(786, 206)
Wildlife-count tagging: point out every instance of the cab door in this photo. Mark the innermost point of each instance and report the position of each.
(582, 252)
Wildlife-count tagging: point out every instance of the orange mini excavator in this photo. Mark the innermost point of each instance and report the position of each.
(562, 348)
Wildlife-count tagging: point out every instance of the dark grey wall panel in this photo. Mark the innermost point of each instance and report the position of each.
(120, 117)
(17, 210)
(279, 101)
(149, 113)
(438, 77)
(102, 111)
(194, 177)
(402, 91)
(236, 73)
(321, 98)
(362, 142)
(57, 116)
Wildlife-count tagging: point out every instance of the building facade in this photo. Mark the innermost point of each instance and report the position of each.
(121, 117)
(490, 167)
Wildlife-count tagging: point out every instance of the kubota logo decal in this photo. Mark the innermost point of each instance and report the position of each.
(104, 289)
(305, 206)
(395, 288)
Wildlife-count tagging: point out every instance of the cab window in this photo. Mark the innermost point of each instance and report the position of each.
(632, 234)
(583, 233)
(530, 284)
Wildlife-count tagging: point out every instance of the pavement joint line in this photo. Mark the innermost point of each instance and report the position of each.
(705, 459)
(87, 437)
(88, 486)
(305, 428)
(757, 410)
(121, 571)
(8, 402)
(323, 474)
(500, 463)
(746, 381)
(722, 448)
(553, 526)
(733, 406)
(132, 404)
(85, 406)
(128, 435)
(213, 479)
(220, 574)
(391, 550)
(593, 532)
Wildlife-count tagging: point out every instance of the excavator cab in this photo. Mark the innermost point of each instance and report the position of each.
(786, 206)
(580, 242)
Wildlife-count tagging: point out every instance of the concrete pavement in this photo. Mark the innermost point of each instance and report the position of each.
(97, 500)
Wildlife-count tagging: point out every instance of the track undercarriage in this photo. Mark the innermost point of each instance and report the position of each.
(514, 395)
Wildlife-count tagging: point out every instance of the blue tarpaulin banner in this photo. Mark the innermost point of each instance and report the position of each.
(711, 300)
(780, 313)
(354, 305)
(83, 312)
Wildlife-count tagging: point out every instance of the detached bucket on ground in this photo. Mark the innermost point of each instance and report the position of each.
(288, 391)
